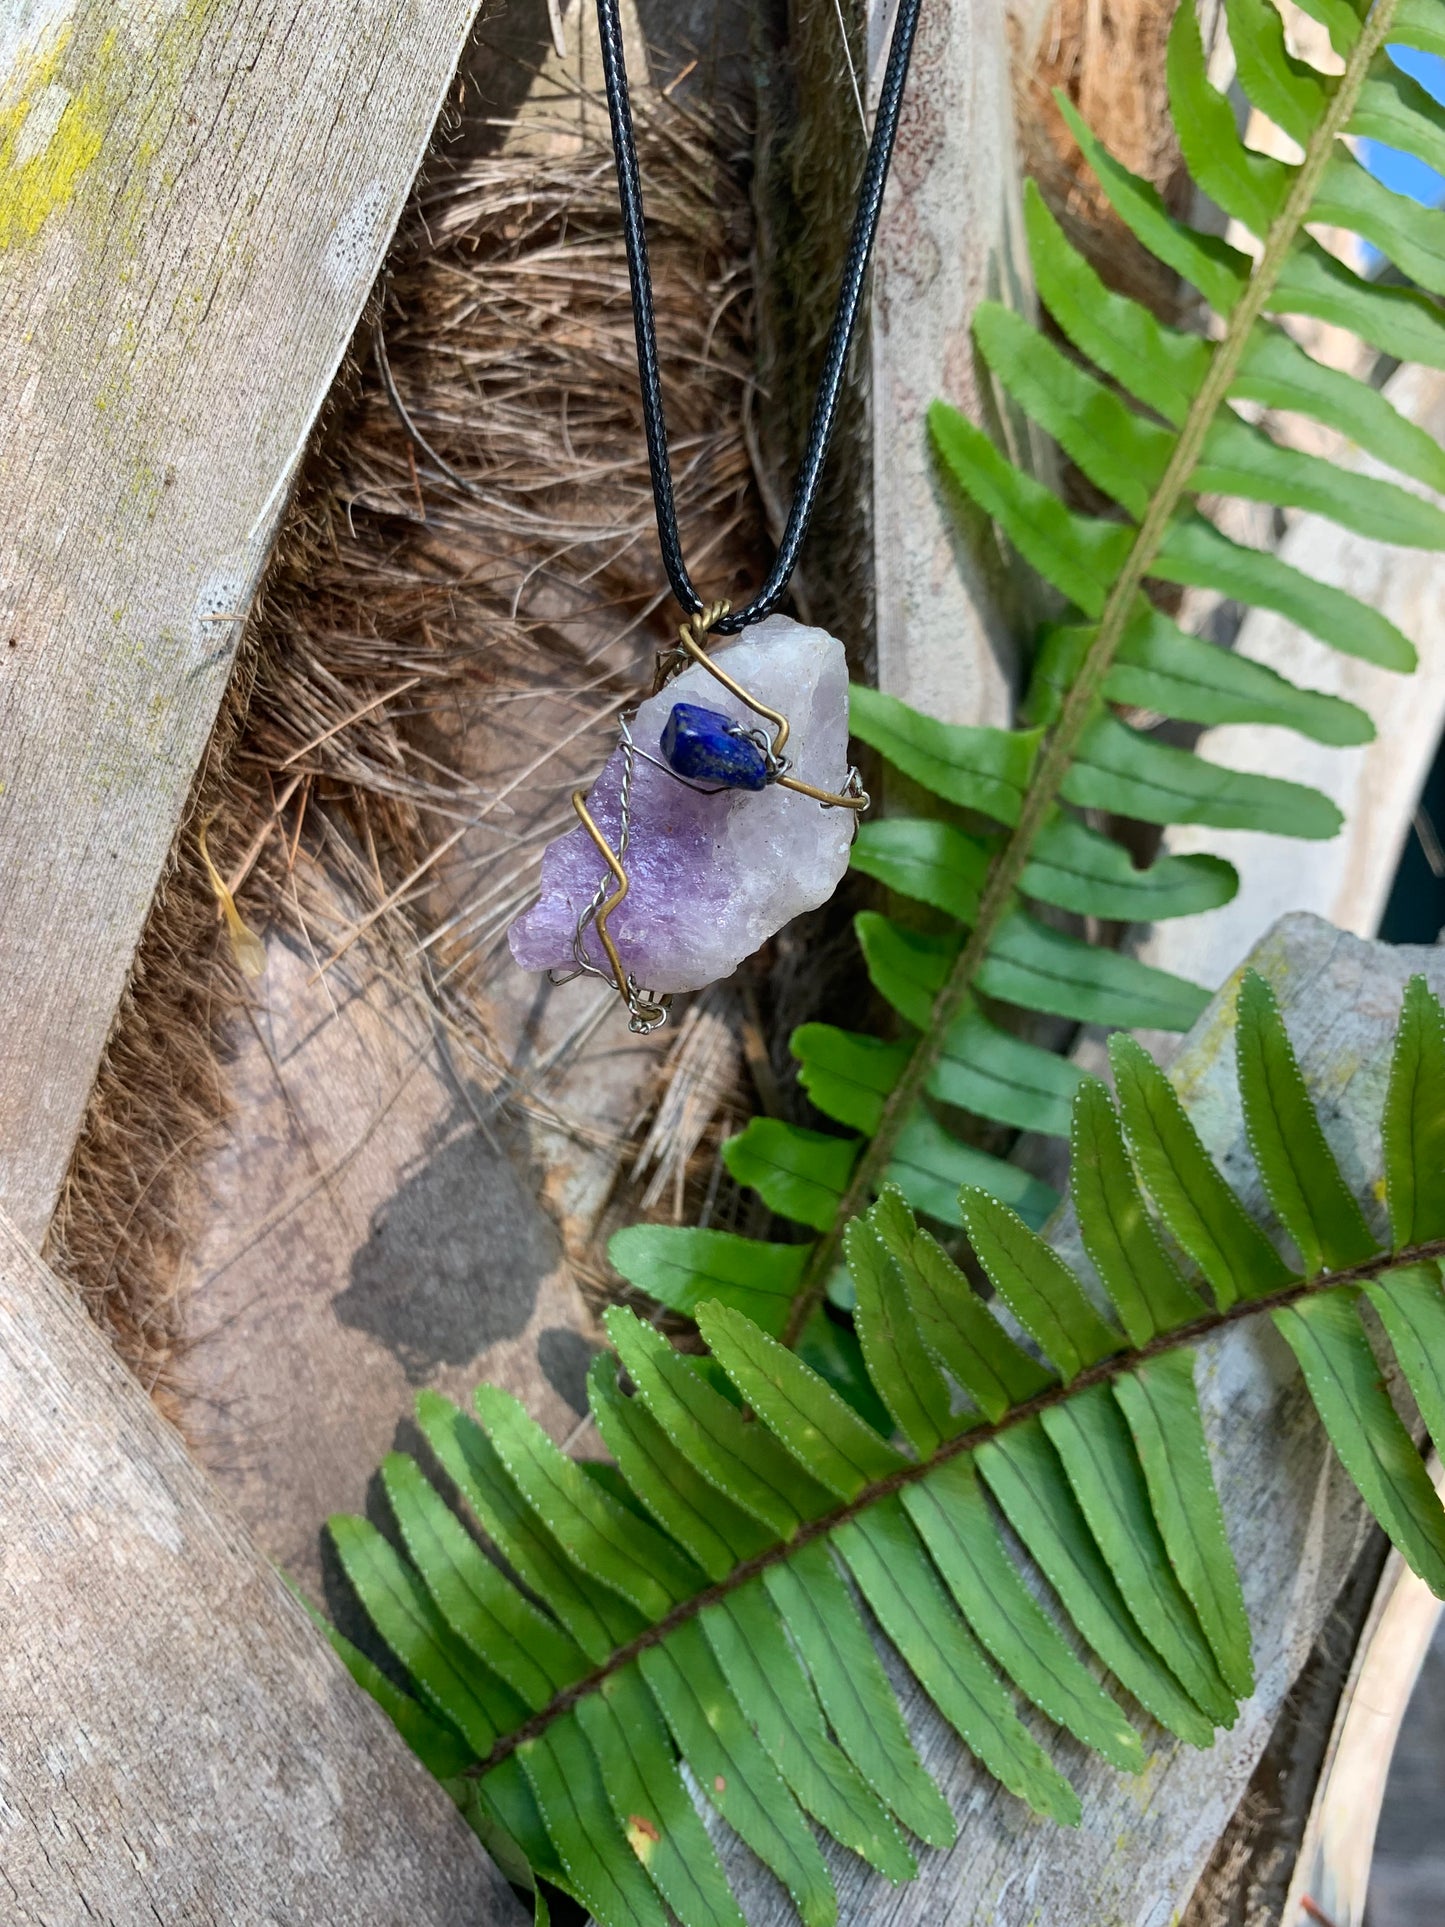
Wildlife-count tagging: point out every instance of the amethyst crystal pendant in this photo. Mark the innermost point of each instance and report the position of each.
(715, 870)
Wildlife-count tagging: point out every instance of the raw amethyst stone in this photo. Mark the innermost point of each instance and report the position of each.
(705, 746)
(713, 876)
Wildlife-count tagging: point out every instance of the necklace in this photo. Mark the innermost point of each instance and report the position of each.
(700, 851)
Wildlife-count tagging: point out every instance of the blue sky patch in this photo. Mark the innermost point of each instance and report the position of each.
(1402, 173)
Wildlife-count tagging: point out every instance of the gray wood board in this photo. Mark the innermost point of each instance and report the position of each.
(950, 237)
(1332, 1871)
(1408, 1876)
(1295, 1521)
(177, 1744)
(373, 1225)
(196, 202)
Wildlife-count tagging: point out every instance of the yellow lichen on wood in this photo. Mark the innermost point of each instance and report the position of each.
(172, 174)
(48, 138)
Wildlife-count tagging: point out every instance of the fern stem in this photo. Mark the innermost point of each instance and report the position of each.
(1104, 1372)
(1085, 694)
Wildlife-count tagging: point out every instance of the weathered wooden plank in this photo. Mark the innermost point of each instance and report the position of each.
(1295, 1521)
(1247, 1877)
(950, 237)
(194, 201)
(1407, 1875)
(176, 1743)
(1333, 1869)
(373, 1225)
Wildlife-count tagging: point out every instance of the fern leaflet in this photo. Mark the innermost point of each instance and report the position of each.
(1149, 414)
(691, 1602)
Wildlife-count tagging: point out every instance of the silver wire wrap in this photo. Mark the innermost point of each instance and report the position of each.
(646, 1010)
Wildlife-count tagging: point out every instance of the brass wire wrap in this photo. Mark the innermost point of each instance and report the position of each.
(609, 856)
(644, 1012)
(690, 634)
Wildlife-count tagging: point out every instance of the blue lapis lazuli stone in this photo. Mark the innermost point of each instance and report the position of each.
(701, 745)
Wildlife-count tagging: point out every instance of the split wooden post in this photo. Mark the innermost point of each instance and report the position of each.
(194, 203)
(950, 237)
(1332, 1874)
(176, 1743)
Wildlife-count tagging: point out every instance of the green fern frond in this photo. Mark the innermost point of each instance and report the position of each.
(1152, 417)
(682, 1625)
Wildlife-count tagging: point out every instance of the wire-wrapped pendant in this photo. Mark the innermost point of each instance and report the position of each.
(705, 833)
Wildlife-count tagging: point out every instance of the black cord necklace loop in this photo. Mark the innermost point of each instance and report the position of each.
(850, 297)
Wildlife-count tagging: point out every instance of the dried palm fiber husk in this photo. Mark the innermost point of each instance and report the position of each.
(703, 1072)
(456, 613)
(1108, 58)
(119, 1229)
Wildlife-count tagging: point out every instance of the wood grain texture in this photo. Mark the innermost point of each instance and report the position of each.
(1333, 1870)
(950, 237)
(194, 201)
(177, 1744)
(374, 1225)
(1295, 1521)
(1407, 1876)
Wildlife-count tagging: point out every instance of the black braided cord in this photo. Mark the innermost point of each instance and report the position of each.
(850, 298)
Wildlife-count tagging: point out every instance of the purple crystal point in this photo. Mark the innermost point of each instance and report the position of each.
(707, 747)
(711, 876)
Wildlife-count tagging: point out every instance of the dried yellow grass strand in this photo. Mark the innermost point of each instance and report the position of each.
(246, 947)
